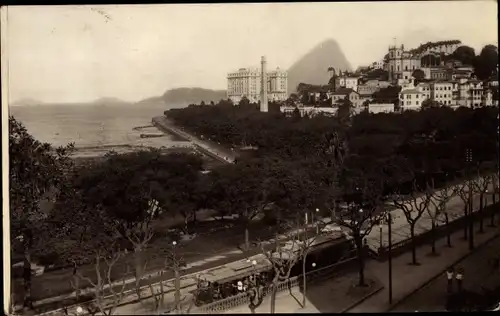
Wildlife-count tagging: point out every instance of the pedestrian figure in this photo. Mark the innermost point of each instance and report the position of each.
(460, 276)
(240, 286)
(449, 275)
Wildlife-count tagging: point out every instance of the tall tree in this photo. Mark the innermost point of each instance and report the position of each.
(440, 200)
(361, 192)
(418, 74)
(131, 189)
(486, 62)
(465, 54)
(241, 189)
(414, 205)
(36, 171)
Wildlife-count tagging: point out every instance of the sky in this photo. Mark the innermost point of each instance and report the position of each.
(59, 54)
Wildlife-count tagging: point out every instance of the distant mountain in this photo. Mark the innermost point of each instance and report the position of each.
(187, 96)
(109, 101)
(151, 100)
(26, 102)
(313, 67)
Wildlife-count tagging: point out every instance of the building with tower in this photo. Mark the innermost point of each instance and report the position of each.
(401, 61)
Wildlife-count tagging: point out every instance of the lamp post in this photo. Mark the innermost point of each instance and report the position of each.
(468, 159)
(175, 264)
(317, 226)
(255, 292)
(389, 223)
(380, 236)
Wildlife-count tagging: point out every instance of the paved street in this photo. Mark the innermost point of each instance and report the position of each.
(477, 273)
(215, 150)
(407, 278)
(221, 263)
(220, 243)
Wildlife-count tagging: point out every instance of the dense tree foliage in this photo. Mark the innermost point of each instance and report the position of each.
(36, 173)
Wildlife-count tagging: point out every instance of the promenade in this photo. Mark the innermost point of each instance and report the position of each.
(478, 272)
(379, 235)
(207, 147)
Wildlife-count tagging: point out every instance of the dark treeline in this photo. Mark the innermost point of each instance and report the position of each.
(439, 136)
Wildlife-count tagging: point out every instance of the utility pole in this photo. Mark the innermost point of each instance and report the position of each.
(389, 221)
(470, 222)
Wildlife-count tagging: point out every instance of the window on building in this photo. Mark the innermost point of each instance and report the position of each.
(417, 102)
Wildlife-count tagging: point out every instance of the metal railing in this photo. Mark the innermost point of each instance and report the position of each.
(244, 299)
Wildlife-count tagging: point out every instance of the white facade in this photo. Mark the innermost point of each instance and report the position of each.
(247, 82)
(349, 82)
(442, 92)
(447, 49)
(378, 64)
(309, 110)
(425, 88)
(469, 93)
(399, 61)
(381, 108)
(244, 82)
(411, 99)
(427, 72)
(278, 82)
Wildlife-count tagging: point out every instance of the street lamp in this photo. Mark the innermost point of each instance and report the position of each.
(380, 236)
(79, 310)
(317, 226)
(175, 264)
(255, 292)
(468, 160)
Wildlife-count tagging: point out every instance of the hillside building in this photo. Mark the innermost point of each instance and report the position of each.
(411, 99)
(442, 92)
(400, 61)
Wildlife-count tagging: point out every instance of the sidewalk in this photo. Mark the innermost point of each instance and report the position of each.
(211, 148)
(478, 273)
(407, 278)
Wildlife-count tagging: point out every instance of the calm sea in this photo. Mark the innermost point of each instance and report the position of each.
(90, 126)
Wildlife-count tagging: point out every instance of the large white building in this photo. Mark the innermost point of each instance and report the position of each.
(277, 85)
(442, 92)
(411, 99)
(347, 81)
(247, 82)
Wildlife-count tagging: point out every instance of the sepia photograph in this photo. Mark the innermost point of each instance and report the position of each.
(244, 158)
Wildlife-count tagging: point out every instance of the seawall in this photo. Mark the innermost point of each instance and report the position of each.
(163, 124)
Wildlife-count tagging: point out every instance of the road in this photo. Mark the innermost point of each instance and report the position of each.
(57, 282)
(477, 273)
(215, 150)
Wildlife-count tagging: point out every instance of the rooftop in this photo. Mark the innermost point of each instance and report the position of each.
(411, 91)
(343, 91)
